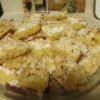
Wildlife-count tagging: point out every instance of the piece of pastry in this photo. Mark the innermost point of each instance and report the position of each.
(11, 48)
(34, 79)
(39, 47)
(53, 31)
(55, 15)
(70, 75)
(20, 62)
(67, 47)
(27, 26)
(27, 29)
(91, 62)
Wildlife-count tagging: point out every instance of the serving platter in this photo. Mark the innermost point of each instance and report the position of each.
(82, 92)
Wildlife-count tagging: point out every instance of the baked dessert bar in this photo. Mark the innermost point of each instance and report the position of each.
(53, 31)
(10, 48)
(27, 30)
(55, 15)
